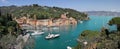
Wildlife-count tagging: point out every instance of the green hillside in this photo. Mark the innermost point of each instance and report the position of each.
(42, 12)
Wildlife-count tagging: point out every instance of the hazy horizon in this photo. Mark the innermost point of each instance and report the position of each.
(79, 5)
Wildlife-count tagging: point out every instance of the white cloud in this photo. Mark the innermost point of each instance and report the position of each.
(3, 0)
(6, 2)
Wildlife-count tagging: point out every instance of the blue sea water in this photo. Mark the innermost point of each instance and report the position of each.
(69, 34)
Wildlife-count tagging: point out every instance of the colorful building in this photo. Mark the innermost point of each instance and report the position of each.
(64, 20)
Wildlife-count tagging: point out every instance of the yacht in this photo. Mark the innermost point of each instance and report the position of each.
(51, 36)
(68, 47)
(37, 33)
(80, 21)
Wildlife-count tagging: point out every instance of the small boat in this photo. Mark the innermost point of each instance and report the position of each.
(37, 33)
(80, 21)
(51, 36)
(68, 47)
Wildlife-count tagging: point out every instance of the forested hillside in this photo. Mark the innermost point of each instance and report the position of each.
(42, 12)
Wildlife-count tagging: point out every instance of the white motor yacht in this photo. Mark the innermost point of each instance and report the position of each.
(51, 36)
(68, 47)
(81, 21)
(37, 33)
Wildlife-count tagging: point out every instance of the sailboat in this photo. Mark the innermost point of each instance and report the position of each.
(36, 32)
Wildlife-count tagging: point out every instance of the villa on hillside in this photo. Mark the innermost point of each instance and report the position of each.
(63, 20)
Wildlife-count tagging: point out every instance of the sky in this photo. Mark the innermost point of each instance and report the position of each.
(80, 5)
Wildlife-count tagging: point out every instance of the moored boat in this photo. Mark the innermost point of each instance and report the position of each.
(68, 47)
(51, 36)
(80, 21)
(37, 33)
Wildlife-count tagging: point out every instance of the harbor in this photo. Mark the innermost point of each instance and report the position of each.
(68, 34)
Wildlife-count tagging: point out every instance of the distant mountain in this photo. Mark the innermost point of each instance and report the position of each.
(103, 13)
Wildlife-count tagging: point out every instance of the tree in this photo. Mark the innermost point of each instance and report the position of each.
(12, 23)
(1, 20)
(104, 32)
(115, 21)
(9, 17)
(35, 5)
(10, 29)
(0, 12)
(1, 29)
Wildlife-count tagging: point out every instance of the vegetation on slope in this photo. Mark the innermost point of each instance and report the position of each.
(115, 21)
(89, 35)
(9, 30)
(7, 25)
(86, 36)
(42, 12)
(100, 40)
